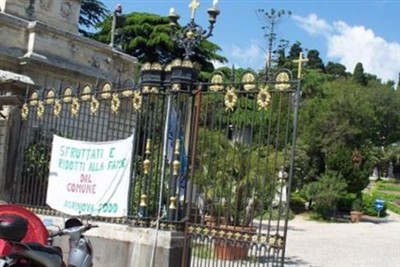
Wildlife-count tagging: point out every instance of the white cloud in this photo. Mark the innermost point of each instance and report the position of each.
(313, 25)
(349, 45)
(250, 56)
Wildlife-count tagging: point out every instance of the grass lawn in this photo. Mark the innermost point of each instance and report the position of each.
(388, 191)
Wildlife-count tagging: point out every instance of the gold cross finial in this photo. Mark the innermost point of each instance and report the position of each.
(301, 60)
(193, 6)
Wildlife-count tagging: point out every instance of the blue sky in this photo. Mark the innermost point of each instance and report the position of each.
(347, 32)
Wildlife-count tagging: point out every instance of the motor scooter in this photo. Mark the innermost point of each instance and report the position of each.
(15, 226)
(13, 229)
(80, 248)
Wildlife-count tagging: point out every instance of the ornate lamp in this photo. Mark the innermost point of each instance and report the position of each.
(184, 72)
(190, 36)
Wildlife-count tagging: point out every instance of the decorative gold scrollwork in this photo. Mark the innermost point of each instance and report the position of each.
(175, 87)
(127, 93)
(187, 63)
(176, 62)
(249, 81)
(50, 97)
(147, 162)
(106, 91)
(263, 239)
(246, 236)
(115, 103)
(146, 66)
(143, 200)
(94, 105)
(75, 106)
(172, 202)
(176, 164)
(67, 98)
(87, 90)
(137, 101)
(25, 111)
(216, 82)
(229, 235)
(276, 241)
(40, 109)
(272, 240)
(263, 98)
(57, 108)
(230, 99)
(221, 233)
(238, 235)
(33, 101)
(206, 231)
(156, 66)
(149, 90)
(282, 81)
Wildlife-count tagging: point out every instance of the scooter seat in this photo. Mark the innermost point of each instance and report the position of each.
(47, 249)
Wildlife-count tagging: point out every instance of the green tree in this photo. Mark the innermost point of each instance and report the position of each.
(359, 75)
(147, 37)
(314, 61)
(337, 70)
(325, 193)
(270, 21)
(231, 174)
(91, 14)
(295, 50)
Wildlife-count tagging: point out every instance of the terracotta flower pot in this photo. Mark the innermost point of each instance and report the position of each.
(355, 216)
(230, 248)
(227, 250)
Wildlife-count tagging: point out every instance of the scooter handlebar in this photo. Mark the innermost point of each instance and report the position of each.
(58, 233)
(90, 226)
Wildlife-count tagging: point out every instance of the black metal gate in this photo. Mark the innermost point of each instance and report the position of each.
(241, 171)
(214, 160)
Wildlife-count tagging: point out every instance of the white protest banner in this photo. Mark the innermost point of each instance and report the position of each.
(90, 177)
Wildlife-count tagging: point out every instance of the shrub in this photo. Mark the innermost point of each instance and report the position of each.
(345, 202)
(297, 203)
(277, 213)
(368, 206)
(326, 193)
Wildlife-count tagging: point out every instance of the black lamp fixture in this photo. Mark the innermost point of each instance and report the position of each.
(191, 35)
(180, 75)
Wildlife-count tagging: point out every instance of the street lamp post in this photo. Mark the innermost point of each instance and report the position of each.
(116, 14)
(178, 76)
(191, 35)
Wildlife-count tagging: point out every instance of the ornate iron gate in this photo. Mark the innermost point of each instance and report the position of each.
(241, 171)
(214, 160)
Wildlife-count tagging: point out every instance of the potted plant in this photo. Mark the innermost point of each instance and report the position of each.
(356, 210)
(227, 178)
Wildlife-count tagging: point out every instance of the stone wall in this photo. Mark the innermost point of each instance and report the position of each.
(64, 13)
(122, 245)
(46, 53)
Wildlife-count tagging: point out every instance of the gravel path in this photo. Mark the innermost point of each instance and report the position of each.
(370, 243)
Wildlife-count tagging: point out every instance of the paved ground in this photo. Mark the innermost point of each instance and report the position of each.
(370, 243)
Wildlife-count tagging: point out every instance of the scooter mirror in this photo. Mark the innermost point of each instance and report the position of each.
(72, 222)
